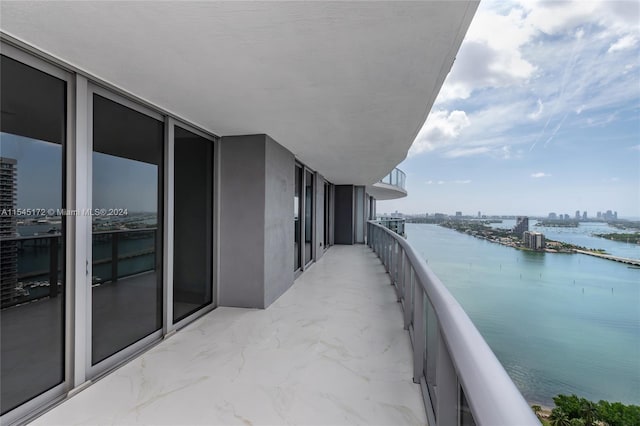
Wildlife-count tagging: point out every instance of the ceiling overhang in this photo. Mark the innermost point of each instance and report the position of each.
(345, 86)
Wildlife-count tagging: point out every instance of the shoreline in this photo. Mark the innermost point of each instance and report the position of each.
(567, 249)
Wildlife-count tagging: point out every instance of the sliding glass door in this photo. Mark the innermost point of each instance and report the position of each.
(33, 139)
(193, 223)
(297, 220)
(309, 216)
(126, 279)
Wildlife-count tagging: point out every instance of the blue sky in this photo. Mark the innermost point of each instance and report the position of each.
(540, 113)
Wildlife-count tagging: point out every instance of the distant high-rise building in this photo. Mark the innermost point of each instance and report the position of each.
(615, 215)
(552, 215)
(577, 214)
(479, 214)
(533, 240)
(522, 225)
(8, 228)
(566, 217)
(599, 215)
(584, 215)
(458, 214)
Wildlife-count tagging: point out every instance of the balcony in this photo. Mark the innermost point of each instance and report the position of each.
(331, 350)
(337, 348)
(389, 187)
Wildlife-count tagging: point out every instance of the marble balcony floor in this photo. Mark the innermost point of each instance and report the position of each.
(330, 351)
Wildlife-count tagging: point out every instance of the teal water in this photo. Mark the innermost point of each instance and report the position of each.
(559, 323)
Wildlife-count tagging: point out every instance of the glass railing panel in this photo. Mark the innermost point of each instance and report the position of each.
(31, 268)
(431, 352)
(466, 417)
(395, 178)
(449, 349)
(120, 254)
(102, 257)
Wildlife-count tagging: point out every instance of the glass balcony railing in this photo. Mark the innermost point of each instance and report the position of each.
(395, 178)
(461, 379)
(394, 224)
(31, 266)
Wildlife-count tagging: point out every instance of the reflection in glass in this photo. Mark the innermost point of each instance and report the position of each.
(297, 199)
(327, 214)
(308, 216)
(32, 240)
(359, 214)
(193, 218)
(126, 249)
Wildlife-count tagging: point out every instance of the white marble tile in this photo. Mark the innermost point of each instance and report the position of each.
(330, 351)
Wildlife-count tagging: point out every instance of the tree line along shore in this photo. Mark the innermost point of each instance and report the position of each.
(571, 410)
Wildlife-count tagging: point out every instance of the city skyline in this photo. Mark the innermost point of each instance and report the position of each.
(539, 114)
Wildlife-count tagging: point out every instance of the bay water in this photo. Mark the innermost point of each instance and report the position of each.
(558, 323)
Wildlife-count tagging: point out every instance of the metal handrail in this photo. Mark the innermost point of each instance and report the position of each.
(461, 359)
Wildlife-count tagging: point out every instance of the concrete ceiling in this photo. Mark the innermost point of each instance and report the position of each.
(345, 86)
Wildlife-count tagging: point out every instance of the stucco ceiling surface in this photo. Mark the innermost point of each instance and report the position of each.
(345, 86)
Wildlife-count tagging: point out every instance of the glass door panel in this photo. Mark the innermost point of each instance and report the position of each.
(193, 223)
(32, 242)
(327, 215)
(126, 279)
(297, 222)
(308, 216)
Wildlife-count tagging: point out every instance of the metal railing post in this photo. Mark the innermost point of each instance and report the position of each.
(408, 294)
(418, 333)
(53, 266)
(401, 263)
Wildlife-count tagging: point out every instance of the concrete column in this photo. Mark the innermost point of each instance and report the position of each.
(256, 221)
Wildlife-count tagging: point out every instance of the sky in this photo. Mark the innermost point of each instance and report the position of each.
(540, 113)
(117, 182)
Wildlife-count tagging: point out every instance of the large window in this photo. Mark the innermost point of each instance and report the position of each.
(126, 244)
(193, 222)
(32, 243)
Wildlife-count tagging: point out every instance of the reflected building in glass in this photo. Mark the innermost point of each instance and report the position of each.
(8, 222)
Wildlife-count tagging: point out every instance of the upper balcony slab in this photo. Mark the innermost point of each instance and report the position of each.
(345, 86)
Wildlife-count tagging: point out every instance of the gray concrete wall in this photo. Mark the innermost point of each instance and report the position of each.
(278, 220)
(319, 246)
(256, 221)
(242, 221)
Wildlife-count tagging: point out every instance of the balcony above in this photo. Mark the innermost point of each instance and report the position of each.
(389, 187)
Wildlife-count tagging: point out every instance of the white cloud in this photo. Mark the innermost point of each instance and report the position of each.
(439, 129)
(536, 114)
(442, 182)
(528, 73)
(540, 175)
(491, 55)
(466, 152)
(626, 42)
